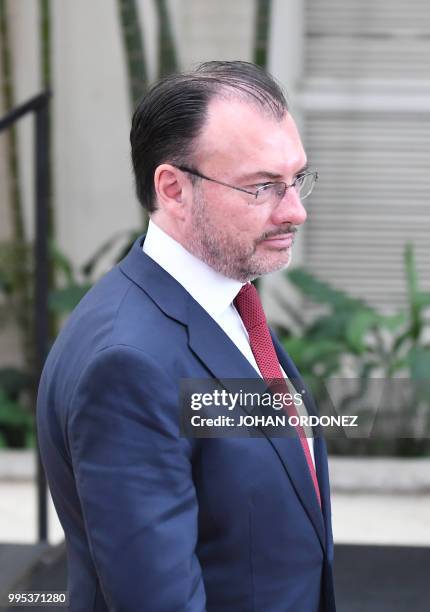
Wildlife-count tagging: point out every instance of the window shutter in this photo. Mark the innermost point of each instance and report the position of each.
(366, 100)
(368, 38)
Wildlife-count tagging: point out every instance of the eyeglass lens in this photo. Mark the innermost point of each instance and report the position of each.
(276, 191)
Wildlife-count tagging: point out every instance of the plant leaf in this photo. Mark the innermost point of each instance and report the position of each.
(358, 328)
(392, 322)
(62, 301)
(419, 362)
(322, 292)
(13, 381)
(13, 414)
(88, 268)
(61, 262)
(412, 291)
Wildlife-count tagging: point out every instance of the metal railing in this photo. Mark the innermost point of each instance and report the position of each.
(39, 105)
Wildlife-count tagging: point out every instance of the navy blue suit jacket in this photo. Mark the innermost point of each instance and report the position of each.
(157, 522)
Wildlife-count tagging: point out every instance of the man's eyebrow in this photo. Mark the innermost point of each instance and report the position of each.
(272, 176)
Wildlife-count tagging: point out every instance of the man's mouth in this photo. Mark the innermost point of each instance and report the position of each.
(281, 241)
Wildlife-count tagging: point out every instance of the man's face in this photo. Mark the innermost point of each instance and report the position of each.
(242, 146)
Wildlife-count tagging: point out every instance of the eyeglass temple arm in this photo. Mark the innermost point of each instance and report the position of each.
(207, 178)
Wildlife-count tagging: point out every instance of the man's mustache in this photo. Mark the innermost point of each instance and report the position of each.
(289, 229)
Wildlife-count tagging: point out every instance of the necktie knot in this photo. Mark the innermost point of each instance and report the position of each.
(249, 307)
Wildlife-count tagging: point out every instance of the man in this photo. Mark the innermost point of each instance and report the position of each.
(156, 521)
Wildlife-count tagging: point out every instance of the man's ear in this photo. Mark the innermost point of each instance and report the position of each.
(171, 186)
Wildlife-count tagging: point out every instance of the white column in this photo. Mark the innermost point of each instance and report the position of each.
(24, 38)
(94, 191)
(285, 62)
(221, 30)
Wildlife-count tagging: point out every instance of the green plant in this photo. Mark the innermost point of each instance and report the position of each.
(73, 283)
(261, 35)
(132, 38)
(16, 419)
(351, 336)
(17, 384)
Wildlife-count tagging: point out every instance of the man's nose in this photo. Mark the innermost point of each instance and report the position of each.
(290, 209)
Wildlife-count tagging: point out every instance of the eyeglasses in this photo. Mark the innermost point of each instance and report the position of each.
(271, 193)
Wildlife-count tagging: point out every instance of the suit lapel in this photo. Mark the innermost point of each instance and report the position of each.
(206, 338)
(223, 359)
(306, 488)
(320, 451)
(214, 348)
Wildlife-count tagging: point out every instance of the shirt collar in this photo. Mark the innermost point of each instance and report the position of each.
(213, 291)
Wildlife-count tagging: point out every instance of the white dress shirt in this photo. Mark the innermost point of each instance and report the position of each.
(213, 291)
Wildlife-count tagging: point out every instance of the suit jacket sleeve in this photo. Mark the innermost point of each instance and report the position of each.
(134, 480)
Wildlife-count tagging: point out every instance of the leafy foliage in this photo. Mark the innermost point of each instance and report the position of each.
(352, 336)
(16, 385)
(16, 420)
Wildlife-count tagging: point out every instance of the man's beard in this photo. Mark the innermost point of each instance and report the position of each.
(229, 255)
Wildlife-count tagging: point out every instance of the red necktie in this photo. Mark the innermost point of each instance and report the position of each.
(250, 309)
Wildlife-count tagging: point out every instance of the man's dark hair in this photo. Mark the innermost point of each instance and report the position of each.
(171, 115)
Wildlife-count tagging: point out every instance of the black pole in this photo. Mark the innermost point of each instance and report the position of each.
(41, 317)
(39, 104)
(19, 111)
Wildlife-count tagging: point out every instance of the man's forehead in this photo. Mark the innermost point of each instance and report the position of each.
(239, 132)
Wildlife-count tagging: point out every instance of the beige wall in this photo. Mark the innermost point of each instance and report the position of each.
(24, 38)
(92, 179)
(222, 30)
(285, 62)
(23, 23)
(93, 185)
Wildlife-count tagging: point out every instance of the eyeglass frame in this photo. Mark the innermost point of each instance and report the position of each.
(314, 173)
